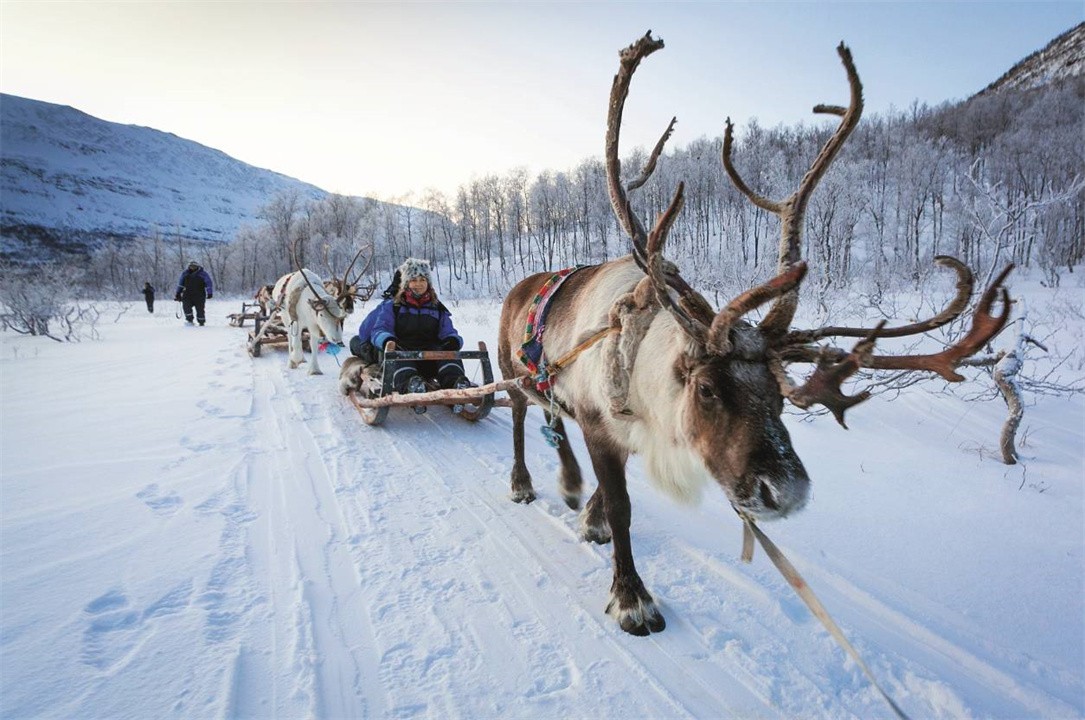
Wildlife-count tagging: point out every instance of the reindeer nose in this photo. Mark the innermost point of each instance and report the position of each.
(775, 497)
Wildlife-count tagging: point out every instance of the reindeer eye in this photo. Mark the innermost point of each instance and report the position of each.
(707, 392)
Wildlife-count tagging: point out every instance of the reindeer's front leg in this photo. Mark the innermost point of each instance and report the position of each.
(522, 490)
(314, 349)
(630, 602)
(293, 344)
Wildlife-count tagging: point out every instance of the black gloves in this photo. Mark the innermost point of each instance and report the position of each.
(177, 297)
(450, 343)
(208, 296)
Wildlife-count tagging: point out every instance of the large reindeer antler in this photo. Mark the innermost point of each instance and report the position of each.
(692, 312)
(712, 330)
(368, 262)
(346, 281)
(345, 288)
(792, 209)
(297, 266)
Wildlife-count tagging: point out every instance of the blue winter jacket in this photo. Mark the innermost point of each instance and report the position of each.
(194, 285)
(411, 327)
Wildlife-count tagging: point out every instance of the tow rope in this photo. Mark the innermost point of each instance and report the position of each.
(796, 581)
(330, 348)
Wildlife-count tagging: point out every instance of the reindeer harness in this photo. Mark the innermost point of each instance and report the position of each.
(531, 352)
(628, 320)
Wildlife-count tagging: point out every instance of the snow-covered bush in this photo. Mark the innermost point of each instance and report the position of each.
(39, 300)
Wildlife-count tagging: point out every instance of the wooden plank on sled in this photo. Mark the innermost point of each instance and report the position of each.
(437, 397)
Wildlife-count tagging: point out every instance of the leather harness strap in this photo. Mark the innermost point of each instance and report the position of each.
(556, 366)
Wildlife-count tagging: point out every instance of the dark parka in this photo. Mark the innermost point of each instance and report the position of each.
(194, 285)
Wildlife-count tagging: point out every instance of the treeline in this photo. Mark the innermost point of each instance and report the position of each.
(992, 180)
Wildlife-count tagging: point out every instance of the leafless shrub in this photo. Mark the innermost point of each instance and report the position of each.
(39, 301)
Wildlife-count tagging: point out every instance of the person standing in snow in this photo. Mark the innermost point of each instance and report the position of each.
(415, 319)
(193, 289)
(148, 295)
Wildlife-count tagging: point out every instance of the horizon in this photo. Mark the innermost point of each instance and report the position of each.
(530, 92)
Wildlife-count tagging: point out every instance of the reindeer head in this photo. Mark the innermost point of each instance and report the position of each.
(334, 302)
(346, 290)
(730, 373)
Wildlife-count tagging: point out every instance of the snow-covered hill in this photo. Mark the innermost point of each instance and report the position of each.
(192, 533)
(1061, 59)
(67, 177)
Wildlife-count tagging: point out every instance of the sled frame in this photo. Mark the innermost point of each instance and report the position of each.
(477, 401)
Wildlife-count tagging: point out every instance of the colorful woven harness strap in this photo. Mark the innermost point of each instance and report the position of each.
(531, 350)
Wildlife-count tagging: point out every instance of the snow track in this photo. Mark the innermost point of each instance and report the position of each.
(267, 554)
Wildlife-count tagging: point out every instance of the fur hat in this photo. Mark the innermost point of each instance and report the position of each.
(415, 267)
(193, 262)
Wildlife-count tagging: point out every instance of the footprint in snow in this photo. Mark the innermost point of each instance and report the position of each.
(190, 444)
(209, 408)
(165, 505)
(113, 627)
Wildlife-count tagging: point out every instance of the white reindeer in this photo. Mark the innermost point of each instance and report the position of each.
(320, 306)
(307, 305)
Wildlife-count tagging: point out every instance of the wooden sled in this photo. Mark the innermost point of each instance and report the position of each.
(272, 332)
(249, 311)
(375, 395)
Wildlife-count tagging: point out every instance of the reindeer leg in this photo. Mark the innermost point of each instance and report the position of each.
(569, 479)
(293, 345)
(314, 350)
(630, 602)
(593, 521)
(522, 491)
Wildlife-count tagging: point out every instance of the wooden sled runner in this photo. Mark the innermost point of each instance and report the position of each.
(373, 396)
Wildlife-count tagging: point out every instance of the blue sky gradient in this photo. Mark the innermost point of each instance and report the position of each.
(383, 99)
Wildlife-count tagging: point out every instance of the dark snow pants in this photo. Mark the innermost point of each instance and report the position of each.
(445, 372)
(188, 305)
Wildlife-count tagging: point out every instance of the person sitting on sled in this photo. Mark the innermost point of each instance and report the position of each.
(412, 317)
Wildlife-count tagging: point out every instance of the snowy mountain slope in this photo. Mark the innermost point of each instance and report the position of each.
(1061, 59)
(209, 535)
(63, 172)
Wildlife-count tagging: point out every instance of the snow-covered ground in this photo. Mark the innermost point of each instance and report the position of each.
(190, 532)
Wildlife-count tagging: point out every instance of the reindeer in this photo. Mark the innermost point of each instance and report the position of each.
(265, 298)
(321, 307)
(644, 365)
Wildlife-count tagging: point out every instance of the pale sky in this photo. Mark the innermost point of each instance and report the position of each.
(382, 99)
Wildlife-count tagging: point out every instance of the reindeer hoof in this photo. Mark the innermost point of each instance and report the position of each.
(573, 501)
(523, 496)
(641, 618)
(592, 529)
(597, 535)
(293, 365)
